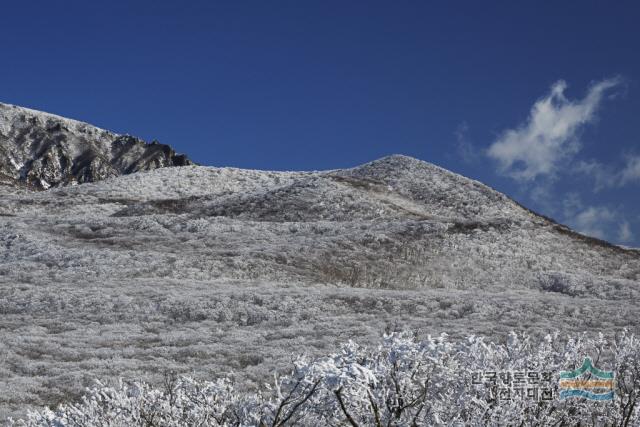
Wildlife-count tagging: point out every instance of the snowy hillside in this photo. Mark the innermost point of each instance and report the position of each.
(188, 268)
(42, 150)
(395, 223)
(209, 271)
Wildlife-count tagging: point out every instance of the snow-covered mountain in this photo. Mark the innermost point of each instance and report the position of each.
(211, 270)
(396, 222)
(42, 150)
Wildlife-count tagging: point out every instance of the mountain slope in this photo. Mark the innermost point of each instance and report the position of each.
(393, 223)
(209, 271)
(40, 150)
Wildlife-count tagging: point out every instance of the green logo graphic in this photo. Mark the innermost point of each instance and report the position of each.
(587, 381)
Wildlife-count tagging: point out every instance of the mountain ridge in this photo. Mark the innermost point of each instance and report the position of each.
(52, 161)
(185, 268)
(40, 150)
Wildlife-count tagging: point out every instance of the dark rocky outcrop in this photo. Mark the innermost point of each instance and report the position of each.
(40, 150)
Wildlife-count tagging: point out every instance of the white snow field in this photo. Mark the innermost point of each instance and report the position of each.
(216, 271)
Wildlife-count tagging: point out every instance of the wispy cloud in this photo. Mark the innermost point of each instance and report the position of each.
(464, 148)
(606, 176)
(603, 222)
(549, 136)
(594, 220)
(603, 176)
(546, 147)
(631, 172)
(572, 204)
(624, 232)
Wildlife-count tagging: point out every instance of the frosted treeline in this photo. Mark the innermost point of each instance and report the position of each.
(402, 382)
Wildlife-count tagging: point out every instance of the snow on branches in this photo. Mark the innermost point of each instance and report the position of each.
(403, 382)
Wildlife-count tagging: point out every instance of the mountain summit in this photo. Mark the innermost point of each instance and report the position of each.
(185, 268)
(41, 150)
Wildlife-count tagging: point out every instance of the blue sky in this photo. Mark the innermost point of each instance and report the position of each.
(538, 99)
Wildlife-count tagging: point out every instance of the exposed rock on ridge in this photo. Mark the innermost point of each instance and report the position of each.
(40, 150)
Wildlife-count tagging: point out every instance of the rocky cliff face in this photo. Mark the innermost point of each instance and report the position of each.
(40, 150)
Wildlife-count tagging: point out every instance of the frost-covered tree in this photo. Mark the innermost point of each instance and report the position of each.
(402, 382)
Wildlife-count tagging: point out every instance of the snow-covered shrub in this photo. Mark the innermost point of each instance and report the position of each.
(558, 283)
(403, 382)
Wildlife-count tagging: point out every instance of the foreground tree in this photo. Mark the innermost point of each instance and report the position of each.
(403, 382)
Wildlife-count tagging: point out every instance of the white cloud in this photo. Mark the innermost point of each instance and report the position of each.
(624, 232)
(603, 176)
(543, 195)
(550, 134)
(631, 172)
(464, 148)
(572, 204)
(593, 221)
(603, 222)
(606, 177)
